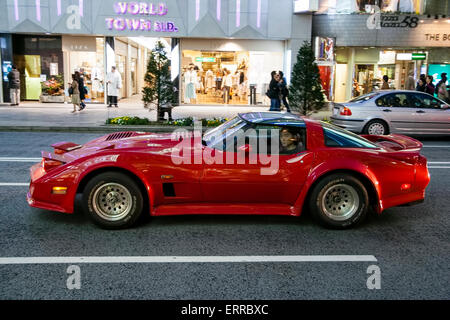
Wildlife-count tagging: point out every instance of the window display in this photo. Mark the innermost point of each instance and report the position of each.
(90, 65)
(215, 77)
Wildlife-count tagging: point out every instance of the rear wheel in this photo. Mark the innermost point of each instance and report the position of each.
(339, 201)
(376, 127)
(113, 200)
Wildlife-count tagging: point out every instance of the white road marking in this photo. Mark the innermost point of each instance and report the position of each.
(436, 146)
(14, 184)
(185, 259)
(16, 159)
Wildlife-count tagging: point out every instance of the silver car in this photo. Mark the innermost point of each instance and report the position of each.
(393, 111)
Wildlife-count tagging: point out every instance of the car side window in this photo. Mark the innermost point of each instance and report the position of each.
(394, 100)
(426, 101)
(290, 140)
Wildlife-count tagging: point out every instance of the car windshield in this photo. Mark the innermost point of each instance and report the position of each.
(365, 97)
(213, 136)
(347, 138)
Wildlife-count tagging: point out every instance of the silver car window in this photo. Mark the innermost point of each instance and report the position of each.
(394, 100)
(421, 100)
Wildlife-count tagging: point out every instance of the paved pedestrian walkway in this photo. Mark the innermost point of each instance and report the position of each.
(35, 115)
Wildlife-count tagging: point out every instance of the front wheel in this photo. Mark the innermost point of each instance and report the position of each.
(339, 201)
(113, 200)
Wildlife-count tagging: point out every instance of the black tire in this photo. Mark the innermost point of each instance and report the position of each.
(111, 191)
(330, 199)
(377, 123)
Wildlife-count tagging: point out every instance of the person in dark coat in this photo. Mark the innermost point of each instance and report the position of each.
(284, 90)
(421, 83)
(14, 86)
(429, 85)
(274, 92)
(80, 81)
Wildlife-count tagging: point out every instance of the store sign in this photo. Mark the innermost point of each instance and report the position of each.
(301, 6)
(411, 56)
(144, 10)
(205, 59)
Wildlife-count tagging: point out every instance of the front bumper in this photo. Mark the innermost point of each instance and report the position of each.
(350, 125)
(40, 193)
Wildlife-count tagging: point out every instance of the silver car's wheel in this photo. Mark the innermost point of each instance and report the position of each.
(376, 127)
(113, 200)
(340, 202)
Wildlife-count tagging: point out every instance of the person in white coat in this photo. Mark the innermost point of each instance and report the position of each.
(114, 81)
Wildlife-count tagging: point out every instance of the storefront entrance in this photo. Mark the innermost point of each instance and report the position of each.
(215, 77)
(86, 55)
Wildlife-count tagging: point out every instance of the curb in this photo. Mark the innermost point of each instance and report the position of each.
(103, 128)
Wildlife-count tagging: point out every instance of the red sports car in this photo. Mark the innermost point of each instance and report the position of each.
(257, 163)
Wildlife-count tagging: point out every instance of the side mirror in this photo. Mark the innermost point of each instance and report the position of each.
(246, 148)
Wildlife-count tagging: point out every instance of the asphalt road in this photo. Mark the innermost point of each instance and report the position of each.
(411, 246)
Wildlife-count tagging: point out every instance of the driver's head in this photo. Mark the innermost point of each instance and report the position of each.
(287, 139)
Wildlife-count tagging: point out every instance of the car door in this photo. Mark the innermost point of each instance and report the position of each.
(266, 176)
(432, 115)
(397, 109)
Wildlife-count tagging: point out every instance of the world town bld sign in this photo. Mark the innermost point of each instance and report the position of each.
(144, 10)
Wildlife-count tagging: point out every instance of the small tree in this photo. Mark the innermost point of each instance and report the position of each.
(305, 91)
(159, 88)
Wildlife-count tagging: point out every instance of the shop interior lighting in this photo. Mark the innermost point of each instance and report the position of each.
(58, 7)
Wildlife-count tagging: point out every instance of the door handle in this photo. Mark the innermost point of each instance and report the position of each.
(420, 111)
(387, 110)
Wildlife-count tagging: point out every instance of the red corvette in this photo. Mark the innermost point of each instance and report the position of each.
(257, 163)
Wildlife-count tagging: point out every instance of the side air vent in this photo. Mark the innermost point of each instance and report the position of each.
(119, 135)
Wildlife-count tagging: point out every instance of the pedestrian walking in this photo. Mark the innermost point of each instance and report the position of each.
(114, 81)
(74, 91)
(227, 84)
(421, 84)
(429, 86)
(81, 89)
(441, 88)
(14, 86)
(411, 82)
(274, 92)
(385, 85)
(284, 91)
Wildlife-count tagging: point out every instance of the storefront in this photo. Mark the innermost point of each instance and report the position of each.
(207, 64)
(364, 55)
(39, 59)
(114, 23)
(86, 55)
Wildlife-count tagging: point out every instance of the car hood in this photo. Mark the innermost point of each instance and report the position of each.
(131, 141)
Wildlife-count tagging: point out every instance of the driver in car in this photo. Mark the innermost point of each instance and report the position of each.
(291, 142)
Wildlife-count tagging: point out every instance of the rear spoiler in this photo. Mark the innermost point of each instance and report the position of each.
(396, 142)
(63, 147)
(52, 156)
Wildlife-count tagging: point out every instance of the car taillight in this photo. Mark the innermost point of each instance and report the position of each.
(48, 164)
(346, 112)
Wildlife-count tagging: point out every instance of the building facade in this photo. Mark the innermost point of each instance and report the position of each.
(50, 39)
(366, 40)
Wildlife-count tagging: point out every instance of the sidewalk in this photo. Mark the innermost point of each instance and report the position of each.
(35, 116)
